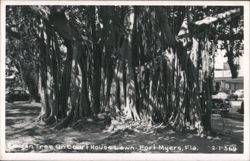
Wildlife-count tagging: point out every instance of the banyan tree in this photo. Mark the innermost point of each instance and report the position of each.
(150, 63)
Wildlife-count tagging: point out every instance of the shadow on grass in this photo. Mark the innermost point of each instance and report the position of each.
(20, 127)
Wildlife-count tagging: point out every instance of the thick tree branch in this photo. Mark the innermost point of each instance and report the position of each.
(220, 16)
(167, 35)
(200, 25)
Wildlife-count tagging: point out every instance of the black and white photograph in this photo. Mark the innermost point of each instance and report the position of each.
(110, 78)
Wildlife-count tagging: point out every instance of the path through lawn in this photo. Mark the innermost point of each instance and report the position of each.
(23, 134)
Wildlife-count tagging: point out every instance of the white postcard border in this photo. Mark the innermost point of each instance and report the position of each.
(130, 156)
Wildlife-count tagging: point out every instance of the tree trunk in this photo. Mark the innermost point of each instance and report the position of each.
(66, 77)
(84, 103)
(131, 93)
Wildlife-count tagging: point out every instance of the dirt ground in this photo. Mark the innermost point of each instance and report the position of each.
(23, 134)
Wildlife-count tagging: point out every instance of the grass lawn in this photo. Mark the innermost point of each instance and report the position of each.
(23, 134)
